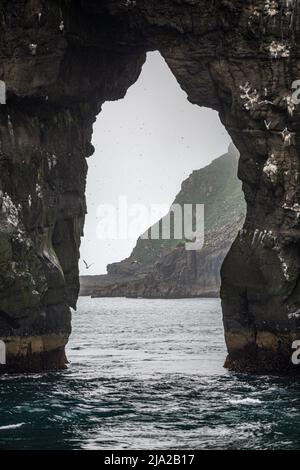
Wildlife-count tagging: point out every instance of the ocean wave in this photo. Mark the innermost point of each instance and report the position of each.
(245, 401)
(11, 426)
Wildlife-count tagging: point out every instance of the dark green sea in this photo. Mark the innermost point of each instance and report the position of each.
(147, 374)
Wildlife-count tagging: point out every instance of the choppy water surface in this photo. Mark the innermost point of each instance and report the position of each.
(147, 374)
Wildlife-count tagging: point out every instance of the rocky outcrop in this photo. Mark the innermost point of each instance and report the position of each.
(163, 268)
(60, 60)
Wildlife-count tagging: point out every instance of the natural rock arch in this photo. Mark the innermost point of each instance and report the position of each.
(61, 60)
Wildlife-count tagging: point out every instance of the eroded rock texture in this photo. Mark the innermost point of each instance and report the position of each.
(60, 61)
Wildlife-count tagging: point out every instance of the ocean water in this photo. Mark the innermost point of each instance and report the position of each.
(147, 374)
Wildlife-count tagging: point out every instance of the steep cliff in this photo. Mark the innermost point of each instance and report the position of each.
(163, 268)
(60, 60)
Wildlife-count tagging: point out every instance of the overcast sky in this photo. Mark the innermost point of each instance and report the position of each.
(146, 145)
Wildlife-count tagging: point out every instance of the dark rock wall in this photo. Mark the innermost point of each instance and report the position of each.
(60, 61)
(53, 96)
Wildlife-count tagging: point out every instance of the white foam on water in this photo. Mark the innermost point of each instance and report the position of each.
(245, 401)
(11, 426)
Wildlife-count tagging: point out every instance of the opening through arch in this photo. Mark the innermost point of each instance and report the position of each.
(146, 144)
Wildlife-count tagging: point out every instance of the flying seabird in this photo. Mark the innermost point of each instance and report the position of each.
(88, 266)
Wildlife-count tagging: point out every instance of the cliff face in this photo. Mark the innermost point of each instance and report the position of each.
(55, 87)
(216, 187)
(163, 268)
(60, 60)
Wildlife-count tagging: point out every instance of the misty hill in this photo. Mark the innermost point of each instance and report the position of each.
(163, 268)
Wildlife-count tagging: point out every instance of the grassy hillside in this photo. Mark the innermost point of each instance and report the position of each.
(217, 187)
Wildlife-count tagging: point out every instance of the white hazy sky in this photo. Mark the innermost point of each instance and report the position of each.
(146, 145)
